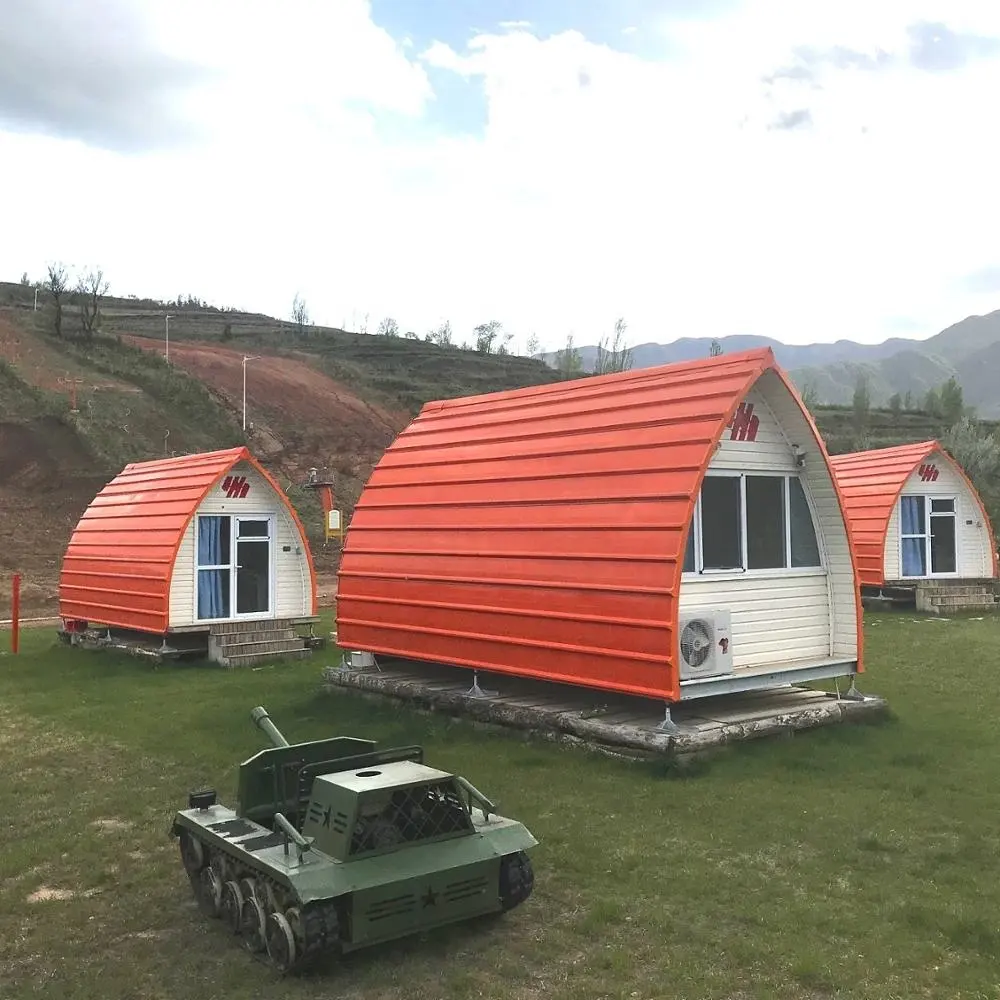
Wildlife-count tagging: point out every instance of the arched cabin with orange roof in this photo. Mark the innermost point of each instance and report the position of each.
(203, 551)
(671, 532)
(920, 529)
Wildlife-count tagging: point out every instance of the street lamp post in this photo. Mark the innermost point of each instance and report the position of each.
(166, 320)
(246, 358)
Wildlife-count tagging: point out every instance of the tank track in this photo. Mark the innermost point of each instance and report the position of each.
(260, 910)
(517, 879)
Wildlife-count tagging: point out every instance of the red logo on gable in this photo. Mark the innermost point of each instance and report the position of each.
(235, 487)
(928, 473)
(744, 424)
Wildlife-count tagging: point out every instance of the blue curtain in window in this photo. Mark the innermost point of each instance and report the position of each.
(911, 512)
(212, 597)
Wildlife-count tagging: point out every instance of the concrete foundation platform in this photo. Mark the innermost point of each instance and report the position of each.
(605, 719)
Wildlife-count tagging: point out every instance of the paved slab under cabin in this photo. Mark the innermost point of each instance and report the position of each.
(605, 718)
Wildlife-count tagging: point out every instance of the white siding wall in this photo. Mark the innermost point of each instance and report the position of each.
(292, 591)
(973, 533)
(785, 615)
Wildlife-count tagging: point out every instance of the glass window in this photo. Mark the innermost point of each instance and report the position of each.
(805, 547)
(765, 500)
(943, 548)
(721, 536)
(913, 530)
(253, 529)
(214, 540)
(689, 551)
(942, 506)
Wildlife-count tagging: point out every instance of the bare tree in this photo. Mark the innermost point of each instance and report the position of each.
(388, 328)
(300, 314)
(90, 289)
(617, 358)
(714, 349)
(56, 282)
(533, 346)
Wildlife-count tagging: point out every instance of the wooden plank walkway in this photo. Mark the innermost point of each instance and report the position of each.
(605, 718)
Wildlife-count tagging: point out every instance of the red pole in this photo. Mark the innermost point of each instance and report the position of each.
(15, 613)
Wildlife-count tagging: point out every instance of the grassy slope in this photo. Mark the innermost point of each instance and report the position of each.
(851, 862)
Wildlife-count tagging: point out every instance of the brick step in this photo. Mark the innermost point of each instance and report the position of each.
(251, 659)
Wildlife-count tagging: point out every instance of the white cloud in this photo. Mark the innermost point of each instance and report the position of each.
(602, 184)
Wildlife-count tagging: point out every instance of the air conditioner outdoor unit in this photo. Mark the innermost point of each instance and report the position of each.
(705, 641)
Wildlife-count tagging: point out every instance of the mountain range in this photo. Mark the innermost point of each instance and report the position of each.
(968, 350)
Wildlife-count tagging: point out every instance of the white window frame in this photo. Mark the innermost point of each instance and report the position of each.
(700, 573)
(928, 499)
(234, 520)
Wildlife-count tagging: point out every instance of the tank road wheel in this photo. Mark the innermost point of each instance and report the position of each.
(232, 905)
(248, 887)
(252, 925)
(280, 942)
(209, 892)
(517, 879)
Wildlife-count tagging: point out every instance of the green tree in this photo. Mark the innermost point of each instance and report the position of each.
(568, 361)
(952, 403)
(388, 328)
(491, 338)
(932, 403)
(861, 412)
(714, 349)
(57, 282)
(810, 395)
(978, 452)
(895, 404)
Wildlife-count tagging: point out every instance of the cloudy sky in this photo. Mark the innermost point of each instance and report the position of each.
(806, 171)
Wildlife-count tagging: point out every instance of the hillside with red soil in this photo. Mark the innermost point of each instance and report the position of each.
(74, 411)
(295, 413)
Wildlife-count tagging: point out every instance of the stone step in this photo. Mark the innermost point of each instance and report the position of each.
(965, 605)
(259, 625)
(252, 659)
(278, 646)
(264, 635)
(967, 590)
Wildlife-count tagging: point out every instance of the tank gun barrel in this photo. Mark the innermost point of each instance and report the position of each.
(263, 722)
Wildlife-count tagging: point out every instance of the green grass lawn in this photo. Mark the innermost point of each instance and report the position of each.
(855, 861)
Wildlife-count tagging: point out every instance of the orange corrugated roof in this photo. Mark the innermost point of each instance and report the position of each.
(871, 482)
(121, 555)
(541, 531)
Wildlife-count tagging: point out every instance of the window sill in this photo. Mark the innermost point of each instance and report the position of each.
(756, 574)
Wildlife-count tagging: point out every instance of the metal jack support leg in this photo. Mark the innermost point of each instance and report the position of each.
(852, 693)
(668, 725)
(476, 691)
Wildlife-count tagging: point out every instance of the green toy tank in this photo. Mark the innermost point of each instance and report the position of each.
(335, 845)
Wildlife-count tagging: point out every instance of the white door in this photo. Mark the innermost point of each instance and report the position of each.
(928, 536)
(234, 566)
